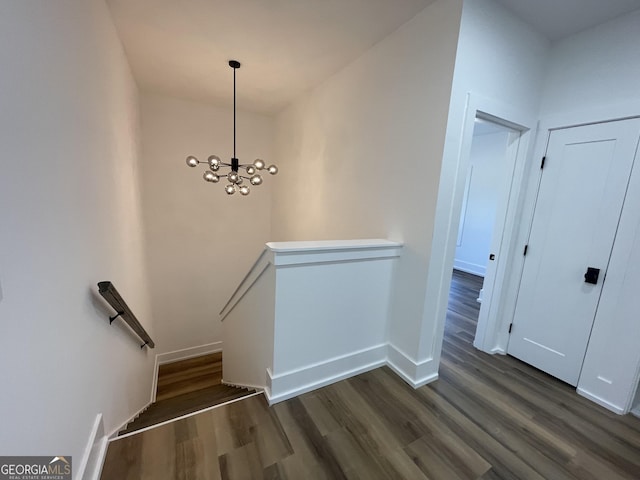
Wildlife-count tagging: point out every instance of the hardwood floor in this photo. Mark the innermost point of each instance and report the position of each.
(189, 375)
(486, 417)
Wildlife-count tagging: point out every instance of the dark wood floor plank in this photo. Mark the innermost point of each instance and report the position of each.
(488, 417)
(189, 375)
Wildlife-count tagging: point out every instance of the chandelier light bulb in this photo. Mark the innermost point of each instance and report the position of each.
(251, 170)
(209, 176)
(256, 180)
(272, 169)
(233, 177)
(259, 164)
(214, 161)
(244, 190)
(192, 161)
(230, 189)
(239, 181)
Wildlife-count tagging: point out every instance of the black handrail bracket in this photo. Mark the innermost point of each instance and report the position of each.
(113, 298)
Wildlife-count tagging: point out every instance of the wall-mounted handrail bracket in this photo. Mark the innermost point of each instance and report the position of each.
(113, 298)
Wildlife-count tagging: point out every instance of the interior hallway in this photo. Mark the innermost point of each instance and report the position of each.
(486, 417)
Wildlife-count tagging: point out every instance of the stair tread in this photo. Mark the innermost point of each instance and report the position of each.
(177, 406)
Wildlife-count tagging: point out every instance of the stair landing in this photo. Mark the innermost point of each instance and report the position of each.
(186, 387)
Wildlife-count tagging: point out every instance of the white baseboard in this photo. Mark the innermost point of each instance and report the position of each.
(94, 452)
(176, 356)
(114, 433)
(600, 401)
(185, 353)
(296, 382)
(411, 371)
(471, 268)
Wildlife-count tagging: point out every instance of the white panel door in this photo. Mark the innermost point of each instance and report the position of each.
(580, 198)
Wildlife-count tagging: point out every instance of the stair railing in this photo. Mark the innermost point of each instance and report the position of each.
(113, 298)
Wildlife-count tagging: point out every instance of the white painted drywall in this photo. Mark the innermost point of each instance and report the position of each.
(361, 154)
(501, 60)
(595, 75)
(597, 68)
(309, 314)
(71, 216)
(247, 327)
(485, 177)
(199, 240)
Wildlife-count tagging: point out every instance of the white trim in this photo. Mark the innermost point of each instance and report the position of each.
(186, 353)
(415, 384)
(415, 373)
(115, 439)
(450, 192)
(252, 276)
(292, 383)
(465, 205)
(601, 114)
(154, 380)
(282, 254)
(600, 401)
(327, 245)
(94, 453)
(374, 250)
(468, 267)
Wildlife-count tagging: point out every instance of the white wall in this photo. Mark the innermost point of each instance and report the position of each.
(485, 177)
(594, 76)
(500, 60)
(199, 241)
(70, 212)
(598, 68)
(361, 154)
(309, 314)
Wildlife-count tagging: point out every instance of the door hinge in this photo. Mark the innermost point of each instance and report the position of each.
(526, 247)
(510, 327)
(544, 159)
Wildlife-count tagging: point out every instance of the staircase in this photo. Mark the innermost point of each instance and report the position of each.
(185, 387)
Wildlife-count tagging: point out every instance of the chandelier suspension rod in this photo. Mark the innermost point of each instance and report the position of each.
(234, 111)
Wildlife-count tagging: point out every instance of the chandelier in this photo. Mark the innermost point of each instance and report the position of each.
(235, 175)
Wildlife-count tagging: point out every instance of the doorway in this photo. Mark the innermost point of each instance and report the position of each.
(492, 159)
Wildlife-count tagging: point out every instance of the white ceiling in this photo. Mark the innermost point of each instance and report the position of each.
(182, 47)
(557, 19)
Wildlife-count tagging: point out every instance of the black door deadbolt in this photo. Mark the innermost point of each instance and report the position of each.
(592, 275)
(492, 257)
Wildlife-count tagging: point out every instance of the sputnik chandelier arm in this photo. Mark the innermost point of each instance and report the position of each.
(235, 178)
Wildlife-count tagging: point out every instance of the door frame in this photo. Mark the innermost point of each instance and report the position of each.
(494, 331)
